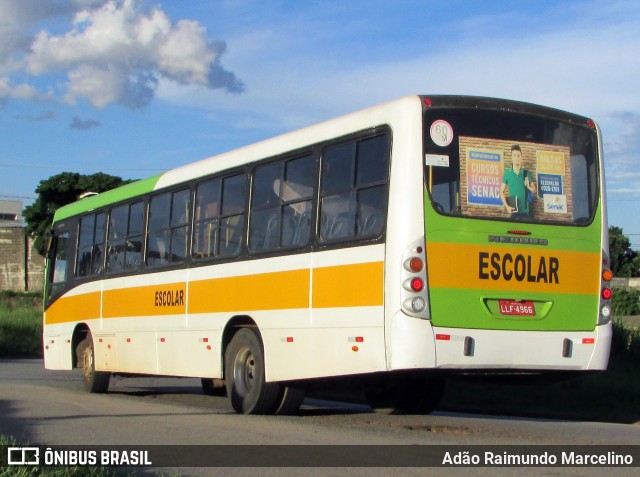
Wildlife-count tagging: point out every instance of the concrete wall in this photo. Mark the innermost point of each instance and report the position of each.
(626, 282)
(21, 267)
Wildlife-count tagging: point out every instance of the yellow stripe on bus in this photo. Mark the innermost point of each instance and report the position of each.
(349, 285)
(486, 267)
(333, 287)
(74, 308)
(262, 291)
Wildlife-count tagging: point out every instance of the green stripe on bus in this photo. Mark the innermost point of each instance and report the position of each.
(475, 309)
(125, 192)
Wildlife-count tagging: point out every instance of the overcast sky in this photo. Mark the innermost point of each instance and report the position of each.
(133, 88)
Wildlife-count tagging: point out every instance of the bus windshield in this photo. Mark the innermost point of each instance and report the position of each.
(507, 165)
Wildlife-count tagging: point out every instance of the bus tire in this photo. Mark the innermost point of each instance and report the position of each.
(290, 402)
(94, 381)
(247, 390)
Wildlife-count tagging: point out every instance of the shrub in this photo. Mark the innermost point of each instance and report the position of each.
(626, 301)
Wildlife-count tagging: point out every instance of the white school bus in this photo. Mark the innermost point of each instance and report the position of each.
(380, 250)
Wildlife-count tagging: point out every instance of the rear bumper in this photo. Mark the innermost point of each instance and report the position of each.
(527, 350)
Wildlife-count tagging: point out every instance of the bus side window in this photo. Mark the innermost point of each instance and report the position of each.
(264, 229)
(218, 226)
(168, 228)
(353, 193)
(124, 245)
(133, 252)
(232, 216)
(85, 246)
(60, 266)
(281, 205)
(118, 220)
(90, 253)
(180, 218)
(372, 174)
(297, 195)
(206, 220)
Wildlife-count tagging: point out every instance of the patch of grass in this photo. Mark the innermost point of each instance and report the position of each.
(12, 300)
(20, 325)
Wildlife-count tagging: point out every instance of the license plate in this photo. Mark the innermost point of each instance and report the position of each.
(517, 308)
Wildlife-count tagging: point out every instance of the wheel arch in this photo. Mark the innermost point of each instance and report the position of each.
(80, 332)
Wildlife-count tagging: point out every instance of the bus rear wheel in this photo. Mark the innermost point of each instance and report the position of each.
(94, 381)
(247, 389)
(290, 401)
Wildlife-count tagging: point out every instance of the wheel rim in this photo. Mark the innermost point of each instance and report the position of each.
(244, 371)
(88, 363)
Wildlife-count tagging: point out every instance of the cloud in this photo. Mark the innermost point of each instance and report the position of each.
(84, 124)
(19, 91)
(113, 52)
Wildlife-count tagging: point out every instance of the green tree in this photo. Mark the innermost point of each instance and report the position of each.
(59, 190)
(625, 262)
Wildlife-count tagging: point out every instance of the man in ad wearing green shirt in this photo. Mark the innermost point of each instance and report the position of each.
(518, 181)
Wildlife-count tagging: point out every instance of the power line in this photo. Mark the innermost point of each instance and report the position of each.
(49, 166)
(17, 197)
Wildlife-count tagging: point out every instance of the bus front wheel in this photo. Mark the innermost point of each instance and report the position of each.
(94, 381)
(247, 389)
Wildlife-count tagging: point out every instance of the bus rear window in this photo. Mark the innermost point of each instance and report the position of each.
(510, 166)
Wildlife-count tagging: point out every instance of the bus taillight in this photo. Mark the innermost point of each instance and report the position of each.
(417, 285)
(415, 297)
(605, 291)
(414, 265)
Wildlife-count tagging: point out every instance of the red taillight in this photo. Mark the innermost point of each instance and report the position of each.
(607, 293)
(591, 123)
(417, 284)
(427, 102)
